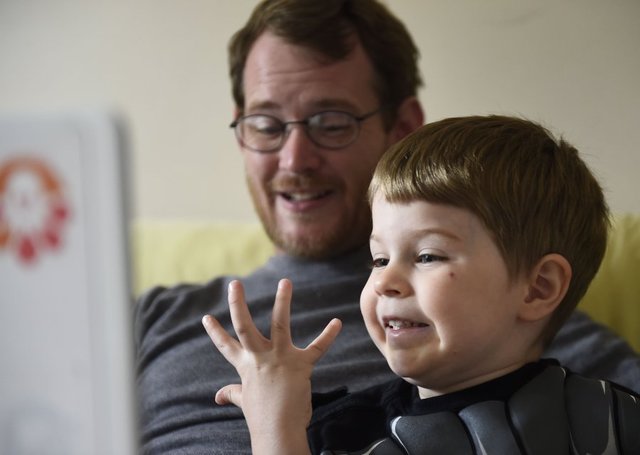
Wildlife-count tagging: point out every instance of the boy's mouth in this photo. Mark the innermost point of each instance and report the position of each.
(397, 324)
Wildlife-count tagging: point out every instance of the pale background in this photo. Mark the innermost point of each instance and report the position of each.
(573, 64)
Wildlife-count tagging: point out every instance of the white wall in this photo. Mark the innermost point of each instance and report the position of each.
(573, 64)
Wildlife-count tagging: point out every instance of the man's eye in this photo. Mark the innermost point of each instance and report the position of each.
(267, 129)
(379, 262)
(333, 128)
(332, 124)
(428, 258)
(262, 126)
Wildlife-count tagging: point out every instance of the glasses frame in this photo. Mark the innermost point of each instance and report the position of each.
(286, 129)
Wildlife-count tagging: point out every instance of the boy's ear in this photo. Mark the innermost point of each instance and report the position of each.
(546, 287)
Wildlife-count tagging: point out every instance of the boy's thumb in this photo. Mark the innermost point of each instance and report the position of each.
(230, 394)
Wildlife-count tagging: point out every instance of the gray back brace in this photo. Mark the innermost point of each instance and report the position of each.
(552, 414)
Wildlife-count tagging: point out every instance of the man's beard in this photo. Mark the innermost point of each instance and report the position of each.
(338, 237)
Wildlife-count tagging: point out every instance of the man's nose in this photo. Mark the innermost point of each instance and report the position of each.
(298, 153)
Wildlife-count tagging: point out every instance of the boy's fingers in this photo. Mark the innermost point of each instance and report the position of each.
(280, 317)
(318, 347)
(229, 394)
(224, 342)
(245, 329)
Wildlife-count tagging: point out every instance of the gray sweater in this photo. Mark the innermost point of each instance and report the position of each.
(179, 369)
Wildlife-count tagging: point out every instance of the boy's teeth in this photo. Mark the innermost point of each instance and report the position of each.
(395, 324)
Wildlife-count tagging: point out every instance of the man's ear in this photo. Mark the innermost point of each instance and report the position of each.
(236, 114)
(546, 287)
(410, 117)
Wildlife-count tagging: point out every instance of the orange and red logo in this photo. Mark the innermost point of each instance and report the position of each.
(33, 209)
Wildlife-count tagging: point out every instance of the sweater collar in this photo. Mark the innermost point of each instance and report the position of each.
(299, 269)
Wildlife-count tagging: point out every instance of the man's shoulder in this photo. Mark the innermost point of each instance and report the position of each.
(167, 308)
(161, 297)
(593, 350)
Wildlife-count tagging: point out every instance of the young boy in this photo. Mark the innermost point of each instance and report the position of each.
(486, 234)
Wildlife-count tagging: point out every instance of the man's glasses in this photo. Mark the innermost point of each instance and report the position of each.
(329, 129)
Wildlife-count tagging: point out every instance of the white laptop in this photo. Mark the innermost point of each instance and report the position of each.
(66, 357)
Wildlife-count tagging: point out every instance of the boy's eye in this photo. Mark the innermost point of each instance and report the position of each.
(428, 258)
(379, 262)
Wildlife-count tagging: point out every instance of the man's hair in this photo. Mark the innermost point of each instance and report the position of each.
(533, 193)
(328, 28)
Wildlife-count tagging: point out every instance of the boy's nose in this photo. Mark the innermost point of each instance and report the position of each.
(391, 282)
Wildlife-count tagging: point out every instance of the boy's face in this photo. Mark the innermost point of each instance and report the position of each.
(439, 303)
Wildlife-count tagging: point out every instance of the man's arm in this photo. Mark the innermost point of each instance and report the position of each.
(275, 394)
(593, 350)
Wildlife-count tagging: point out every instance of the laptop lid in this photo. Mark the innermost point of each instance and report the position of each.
(66, 355)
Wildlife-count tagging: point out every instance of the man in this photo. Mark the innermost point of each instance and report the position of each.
(321, 90)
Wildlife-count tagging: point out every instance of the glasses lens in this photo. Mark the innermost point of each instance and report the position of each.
(260, 132)
(333, 129)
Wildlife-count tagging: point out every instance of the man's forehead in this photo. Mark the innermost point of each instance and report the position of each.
(278, 73)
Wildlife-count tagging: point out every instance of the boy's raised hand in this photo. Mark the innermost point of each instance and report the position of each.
(275, 394)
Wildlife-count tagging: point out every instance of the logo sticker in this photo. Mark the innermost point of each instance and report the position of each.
(33, 209)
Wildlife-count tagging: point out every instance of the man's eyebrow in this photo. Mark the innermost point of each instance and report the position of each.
(324, 103)
(329, 103)
(262, 105)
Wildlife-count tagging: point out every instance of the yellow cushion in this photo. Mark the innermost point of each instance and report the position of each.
(614, 295)
(166, 253)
